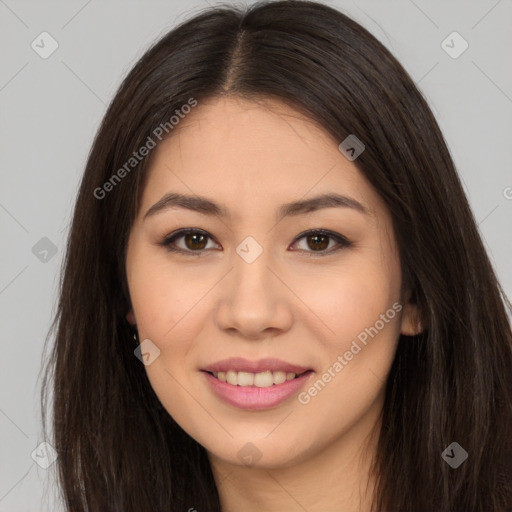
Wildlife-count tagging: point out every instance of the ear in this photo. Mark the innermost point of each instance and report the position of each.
(131, 318)
(410, 323)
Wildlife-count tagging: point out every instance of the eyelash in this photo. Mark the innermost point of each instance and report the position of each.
(169, 239)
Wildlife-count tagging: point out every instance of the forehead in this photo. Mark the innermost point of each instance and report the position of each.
(253, 153)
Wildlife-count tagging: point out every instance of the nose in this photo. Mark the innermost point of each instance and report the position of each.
(254, 302)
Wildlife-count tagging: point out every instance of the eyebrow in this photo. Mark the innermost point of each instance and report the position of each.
(208, 207)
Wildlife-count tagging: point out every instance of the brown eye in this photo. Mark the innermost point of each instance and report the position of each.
(318, 241)
(194, 241)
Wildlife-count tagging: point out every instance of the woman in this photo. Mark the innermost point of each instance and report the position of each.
(275, 295)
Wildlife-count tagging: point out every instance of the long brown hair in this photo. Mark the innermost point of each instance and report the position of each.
(118, 448)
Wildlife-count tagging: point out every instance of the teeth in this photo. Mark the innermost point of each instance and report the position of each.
(245, 379)
(263, 379)
(260, 380)
(232, 377)
(280, 377)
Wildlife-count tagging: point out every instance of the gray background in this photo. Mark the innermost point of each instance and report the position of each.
(51, 108)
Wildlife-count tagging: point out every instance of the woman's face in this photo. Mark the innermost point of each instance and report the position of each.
(255, 280)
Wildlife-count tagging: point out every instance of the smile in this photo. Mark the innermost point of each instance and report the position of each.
(261, 380)
(256, 385)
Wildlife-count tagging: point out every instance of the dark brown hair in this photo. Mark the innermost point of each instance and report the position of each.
(118, 448)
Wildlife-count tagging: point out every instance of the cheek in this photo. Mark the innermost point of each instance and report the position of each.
(168, 307)
(365, 315)
(163, 297)
(343, 301)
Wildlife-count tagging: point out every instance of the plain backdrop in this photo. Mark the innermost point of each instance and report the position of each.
(51, 108)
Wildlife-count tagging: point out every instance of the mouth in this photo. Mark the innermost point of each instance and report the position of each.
(263, 379)
(255, 385)
(263, 373)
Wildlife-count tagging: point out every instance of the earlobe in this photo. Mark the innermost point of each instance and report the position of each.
(131, 318)
(411, 324)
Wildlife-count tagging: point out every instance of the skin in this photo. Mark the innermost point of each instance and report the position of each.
(251, 157)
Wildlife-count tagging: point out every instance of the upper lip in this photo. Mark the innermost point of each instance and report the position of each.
(239, 364)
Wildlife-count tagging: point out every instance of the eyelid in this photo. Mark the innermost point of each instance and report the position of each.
(183, 232)
(341, 240)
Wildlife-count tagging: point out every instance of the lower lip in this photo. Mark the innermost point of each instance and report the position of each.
(252, 397)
